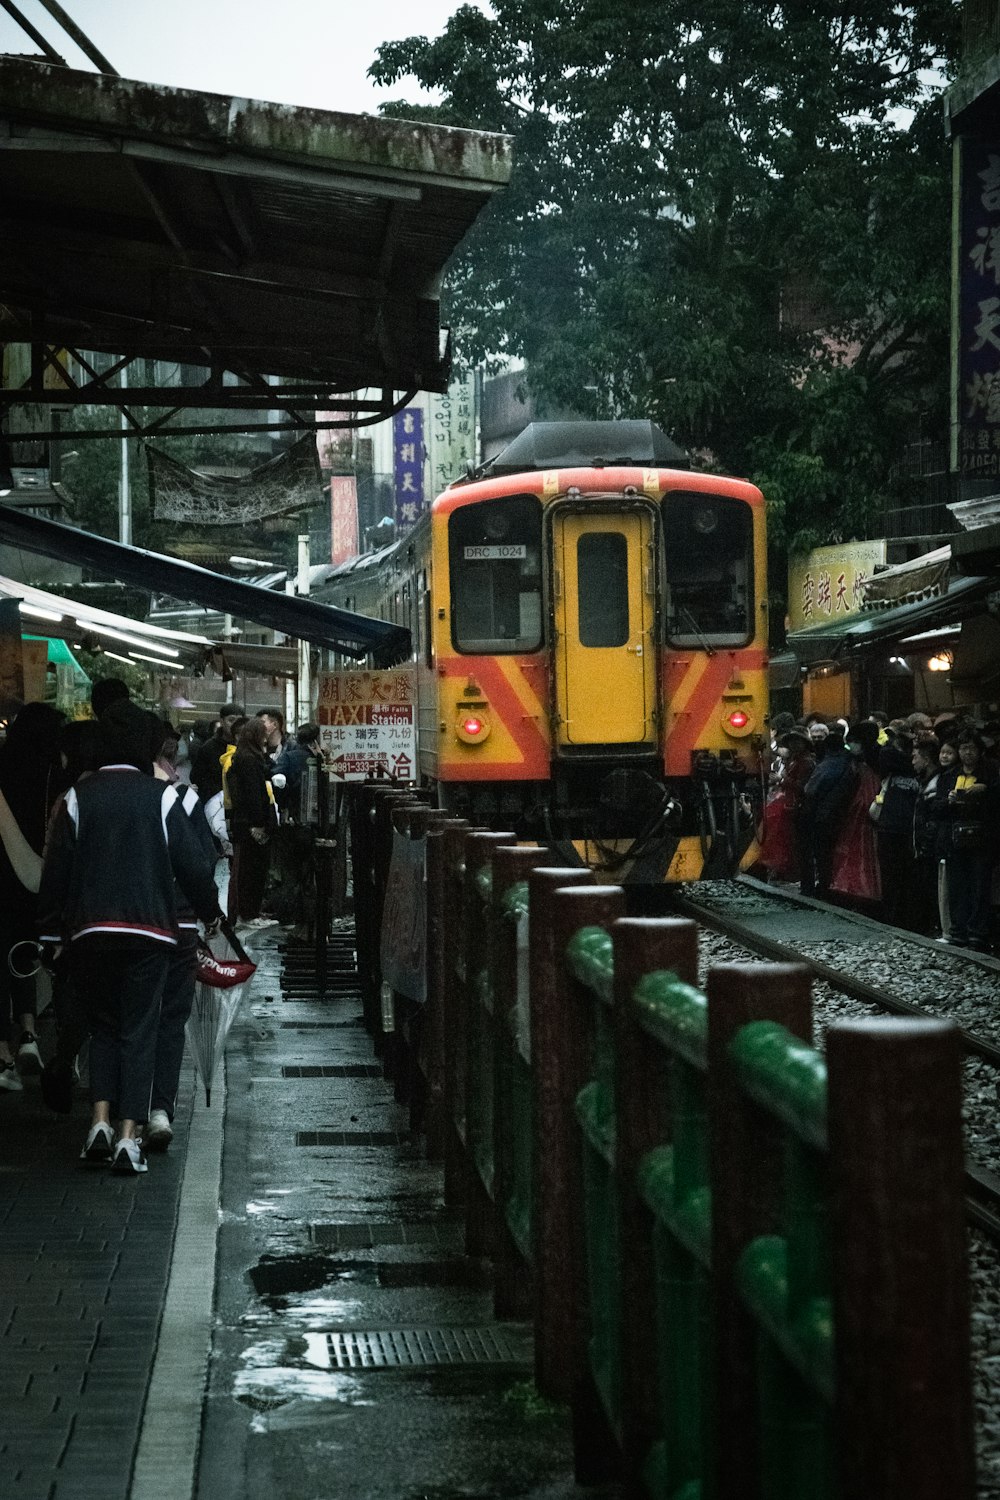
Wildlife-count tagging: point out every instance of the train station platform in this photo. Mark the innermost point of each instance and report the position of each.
(281, 1307)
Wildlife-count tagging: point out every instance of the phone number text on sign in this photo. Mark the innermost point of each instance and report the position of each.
(368, 724)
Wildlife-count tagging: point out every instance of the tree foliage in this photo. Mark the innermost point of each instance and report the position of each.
(735, 224)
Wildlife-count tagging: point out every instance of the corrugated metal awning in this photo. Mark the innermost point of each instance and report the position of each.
(870, 630)
(295, 615)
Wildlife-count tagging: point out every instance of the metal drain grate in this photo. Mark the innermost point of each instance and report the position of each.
(333, 1070)
(393, 1348)
(358, 1020)
(352, 1138)
(366, 1236)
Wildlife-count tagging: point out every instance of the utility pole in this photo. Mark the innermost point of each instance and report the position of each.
(305, 685)
(291, 688)
(124, 492)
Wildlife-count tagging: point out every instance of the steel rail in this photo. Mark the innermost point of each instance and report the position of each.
(982, 1187)
(848, 984)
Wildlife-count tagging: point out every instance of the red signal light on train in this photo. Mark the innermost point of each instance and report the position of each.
(738, 719)
(472, 728)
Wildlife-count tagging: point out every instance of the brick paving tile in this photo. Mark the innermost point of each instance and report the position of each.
(84, 1261)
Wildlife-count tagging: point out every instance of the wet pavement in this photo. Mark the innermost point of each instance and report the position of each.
(84, 1262)
(352, 1352)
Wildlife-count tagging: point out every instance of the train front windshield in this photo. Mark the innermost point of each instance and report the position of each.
(709, 570)
(495, 553)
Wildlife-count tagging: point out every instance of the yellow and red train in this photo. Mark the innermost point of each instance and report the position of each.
(589, 628)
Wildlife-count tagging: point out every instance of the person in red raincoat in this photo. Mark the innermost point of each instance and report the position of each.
(855, 868)
(781, 832)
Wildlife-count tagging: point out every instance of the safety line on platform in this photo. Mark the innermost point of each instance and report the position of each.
(167, 1454)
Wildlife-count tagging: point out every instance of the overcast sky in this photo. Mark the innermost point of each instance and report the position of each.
(314, 52)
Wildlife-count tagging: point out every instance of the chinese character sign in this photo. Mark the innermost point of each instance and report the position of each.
(828, 582)
(343, 517)
(368, 724)
(452, 441)
(979, 312)
(408, 465)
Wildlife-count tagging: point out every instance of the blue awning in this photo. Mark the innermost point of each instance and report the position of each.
(295, 615)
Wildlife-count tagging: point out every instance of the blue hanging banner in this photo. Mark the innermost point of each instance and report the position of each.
(408, 466)
(979, 312)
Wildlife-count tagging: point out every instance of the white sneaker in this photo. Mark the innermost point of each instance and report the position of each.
(99, 1146)
(9, 1078)
(28, 1056)
(129, 1158)
(158, 1132)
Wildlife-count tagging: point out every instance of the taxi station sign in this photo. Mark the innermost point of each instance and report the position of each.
(368, 724)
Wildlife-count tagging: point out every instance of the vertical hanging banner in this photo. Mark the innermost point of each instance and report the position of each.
(452, 441)
(978, 340)
(408, 466)
(343, 517)
(402, 950)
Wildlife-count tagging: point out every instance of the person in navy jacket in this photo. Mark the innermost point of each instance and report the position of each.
(120, 848)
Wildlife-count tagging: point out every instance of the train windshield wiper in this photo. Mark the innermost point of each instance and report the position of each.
(696, 629)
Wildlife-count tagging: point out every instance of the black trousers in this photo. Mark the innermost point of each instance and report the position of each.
(248, 880)
(896, 871)
(120, 982)
(970, 878)
(178, 997)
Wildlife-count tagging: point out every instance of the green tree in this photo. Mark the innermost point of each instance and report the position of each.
(736, 225)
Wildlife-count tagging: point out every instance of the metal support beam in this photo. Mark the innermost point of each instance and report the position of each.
(32, 31)
(347, 416)
(81, 38)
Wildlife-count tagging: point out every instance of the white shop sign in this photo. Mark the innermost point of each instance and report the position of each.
(368, 724)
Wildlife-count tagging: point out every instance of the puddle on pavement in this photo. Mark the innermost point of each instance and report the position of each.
(281, 1280)
(278, 1371)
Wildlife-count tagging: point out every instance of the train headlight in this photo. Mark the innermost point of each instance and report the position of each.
(738, 722)
(472, 728)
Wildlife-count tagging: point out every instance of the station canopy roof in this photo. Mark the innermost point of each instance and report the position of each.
(298, 616)
(229, 233)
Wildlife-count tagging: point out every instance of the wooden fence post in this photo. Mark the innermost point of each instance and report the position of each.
(560, 1068)
(480, 1223)
(745, 1174)
(386, 800)
(362, 806)
(543, 883)
(441, 933)
(512, 1296)
(642, 945)
(904, 1415)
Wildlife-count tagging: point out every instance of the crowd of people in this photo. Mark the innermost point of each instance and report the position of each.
(117, 840)
(897, 817)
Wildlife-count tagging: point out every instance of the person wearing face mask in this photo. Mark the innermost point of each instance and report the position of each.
(971, 806)
(926, 833)
(783, 844)
(819, 733)
(895, 804)
(948, 769)
(855, 869)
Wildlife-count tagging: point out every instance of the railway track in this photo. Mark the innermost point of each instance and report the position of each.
(738, 910)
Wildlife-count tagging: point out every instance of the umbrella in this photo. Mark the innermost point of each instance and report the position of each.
(223, 972)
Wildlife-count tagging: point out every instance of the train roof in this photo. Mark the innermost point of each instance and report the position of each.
(584, 445)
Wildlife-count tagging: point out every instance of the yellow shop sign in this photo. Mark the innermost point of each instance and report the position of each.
(828, 582)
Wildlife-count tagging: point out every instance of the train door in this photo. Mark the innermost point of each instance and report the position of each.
(604, 581)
